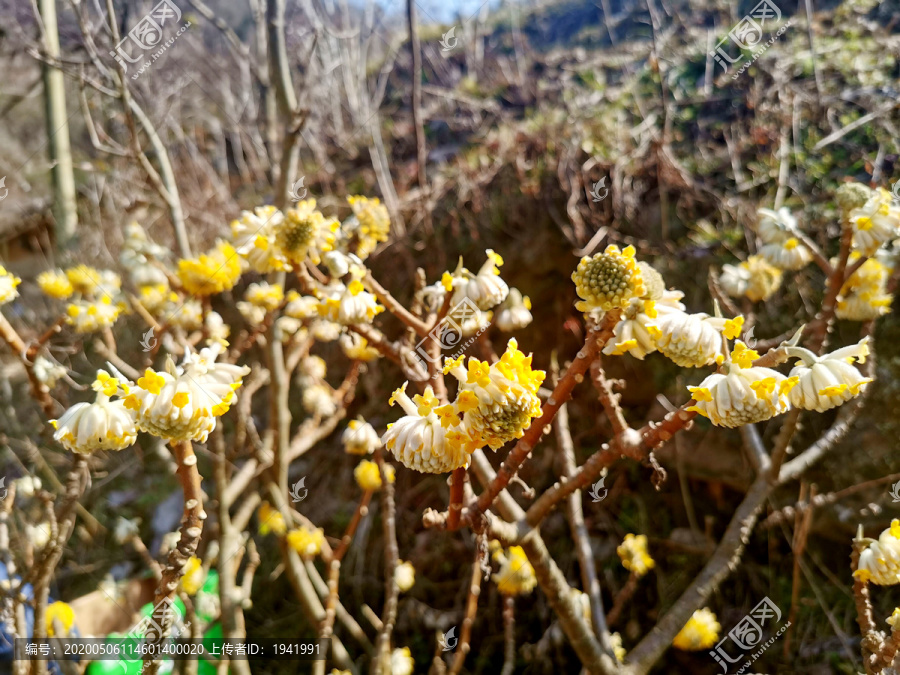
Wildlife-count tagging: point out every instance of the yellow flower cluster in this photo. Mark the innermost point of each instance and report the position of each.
(402, 662)
(827, 381)
(350, 305)
(368, 477)
(781, 248)
(304, 233)
(98, 301)
(306, 541)
(484, 290)
(879, 562)
(265, 295)
(875, 223)
(89, 281)
(270, 520)
(405, 575)
(210, 273)
(634, 555)
(637, 331)
(754, 278)
(194, 576)
(516, 575)
(360, 438)
(744, 393)
(864, 295)
(497, 401)
(183, 402)
(88, 316)
(690, 340)
(56, 284)
(155, 297)
(699, 633)
(104, 424)
(253, 235)
(495, 404)
(59, 614)
(607, 280)
(372, 226)
(514, 313)
(356, 348)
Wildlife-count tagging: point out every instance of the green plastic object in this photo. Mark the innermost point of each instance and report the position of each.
(213, 636)
(211, 585)
(113, 668)
(147, 610)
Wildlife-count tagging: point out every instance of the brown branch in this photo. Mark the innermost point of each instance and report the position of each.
(509, 635)
(341, 612)
(465, 631)
(62, 526)
(622, 597)
(783, 442)
(635, 444)
(391, 556)
(418, 120)
(565, 606)
(229, 544)
(596, 339)
(580, 535)
(550, 578)
(191, 529)
(863, 601)
(886, 655)
(457, 483)
(608, 398)
(394, 307)
(334, 573)
(39, 390)
(825, 317)
(802, 524)
(788, 512)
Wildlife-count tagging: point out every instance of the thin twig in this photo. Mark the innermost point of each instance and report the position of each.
(509, 635)
(191, 529)
(596, 339)
(580, 535)
(465, 631)
(391, 556)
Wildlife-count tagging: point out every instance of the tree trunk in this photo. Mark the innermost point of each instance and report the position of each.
(64, 206)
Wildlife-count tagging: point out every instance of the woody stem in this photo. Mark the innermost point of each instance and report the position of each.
(191, 529)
